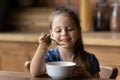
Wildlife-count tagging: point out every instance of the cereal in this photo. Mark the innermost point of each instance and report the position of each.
(61, 42)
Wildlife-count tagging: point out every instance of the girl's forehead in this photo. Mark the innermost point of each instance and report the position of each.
(62, 20)
(62, 17)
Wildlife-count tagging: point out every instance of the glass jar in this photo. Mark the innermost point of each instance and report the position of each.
(102, 16)
(115, 18)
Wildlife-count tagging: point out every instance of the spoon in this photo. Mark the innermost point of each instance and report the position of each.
(57, 42)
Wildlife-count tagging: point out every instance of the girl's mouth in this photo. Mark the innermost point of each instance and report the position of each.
(63, 42)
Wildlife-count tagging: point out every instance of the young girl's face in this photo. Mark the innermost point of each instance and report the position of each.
(64, 29)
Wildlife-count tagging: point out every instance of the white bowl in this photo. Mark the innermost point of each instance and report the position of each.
(59, 70)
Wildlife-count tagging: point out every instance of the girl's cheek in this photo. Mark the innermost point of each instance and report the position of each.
(55, 36)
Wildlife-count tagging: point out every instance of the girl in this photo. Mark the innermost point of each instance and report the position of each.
(64, 27)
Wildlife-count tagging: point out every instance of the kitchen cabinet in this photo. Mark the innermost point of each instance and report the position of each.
(105, 45)
(107, 55)
(14, 54)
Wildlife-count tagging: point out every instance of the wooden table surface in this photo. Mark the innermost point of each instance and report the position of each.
(9, 75)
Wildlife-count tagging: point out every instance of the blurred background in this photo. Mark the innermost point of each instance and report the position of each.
(32, 15)
(21, 22)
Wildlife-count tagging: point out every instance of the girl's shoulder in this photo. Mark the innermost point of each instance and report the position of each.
(91, 56)
(94, 63)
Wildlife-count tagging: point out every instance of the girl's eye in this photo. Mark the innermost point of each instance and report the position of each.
(70, 29)
(57, 30)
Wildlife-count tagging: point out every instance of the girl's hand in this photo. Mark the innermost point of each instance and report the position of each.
(78, 71)
(44, 40)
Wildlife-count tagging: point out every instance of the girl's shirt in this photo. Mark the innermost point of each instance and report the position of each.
(53, 55)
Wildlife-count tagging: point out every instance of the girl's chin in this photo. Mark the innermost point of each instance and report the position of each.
(67, 46)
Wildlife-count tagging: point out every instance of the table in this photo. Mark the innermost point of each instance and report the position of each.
(9, 75)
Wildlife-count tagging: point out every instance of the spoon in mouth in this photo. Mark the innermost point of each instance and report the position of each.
(57, 43)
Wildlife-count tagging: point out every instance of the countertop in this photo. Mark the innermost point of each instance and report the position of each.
(102, 38)
(89, 38)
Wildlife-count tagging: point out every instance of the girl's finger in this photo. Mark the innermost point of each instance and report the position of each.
(44, 36)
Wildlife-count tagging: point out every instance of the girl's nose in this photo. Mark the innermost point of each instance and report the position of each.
(64, 32)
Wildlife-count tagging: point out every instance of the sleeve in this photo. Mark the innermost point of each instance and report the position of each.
(94, 64)
(47, 57)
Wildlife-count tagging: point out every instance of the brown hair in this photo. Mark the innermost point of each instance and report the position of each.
(81, 56)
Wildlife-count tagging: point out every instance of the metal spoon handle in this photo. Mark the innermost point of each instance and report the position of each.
(56, 42)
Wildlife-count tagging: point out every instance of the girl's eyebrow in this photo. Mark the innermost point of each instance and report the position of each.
(56, 27)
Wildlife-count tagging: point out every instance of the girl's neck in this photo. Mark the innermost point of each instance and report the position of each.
(67, 54)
